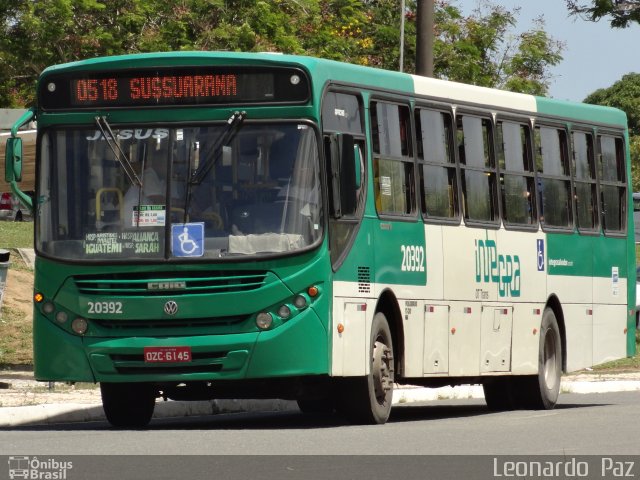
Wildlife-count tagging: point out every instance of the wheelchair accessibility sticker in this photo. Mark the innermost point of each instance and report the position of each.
(187, 239)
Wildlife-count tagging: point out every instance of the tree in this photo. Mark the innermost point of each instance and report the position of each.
(622, 13)
(625, 95)
(476, 49)
(480, 49)
(635, 162)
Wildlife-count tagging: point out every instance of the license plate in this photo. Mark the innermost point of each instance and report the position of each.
(167, 354)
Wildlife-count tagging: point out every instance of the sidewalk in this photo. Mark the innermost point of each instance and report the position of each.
(23, 401)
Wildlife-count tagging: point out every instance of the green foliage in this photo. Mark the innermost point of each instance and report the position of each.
(479, 49)
(476, 49)
(625, 95)
(635, 162)
(621, 13)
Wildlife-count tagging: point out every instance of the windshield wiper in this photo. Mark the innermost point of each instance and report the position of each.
(119, 154)
(234, 122)
(233, 125)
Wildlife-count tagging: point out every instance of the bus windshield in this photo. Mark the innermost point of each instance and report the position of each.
(259, 191)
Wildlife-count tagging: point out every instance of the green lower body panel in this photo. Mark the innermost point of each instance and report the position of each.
(57, 355)
(296, 348)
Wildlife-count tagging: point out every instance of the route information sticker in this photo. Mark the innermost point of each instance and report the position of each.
(149, 216)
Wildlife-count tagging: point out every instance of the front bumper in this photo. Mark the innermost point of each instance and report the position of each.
(296, 348)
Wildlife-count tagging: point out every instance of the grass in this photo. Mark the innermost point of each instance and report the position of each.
(15, 338)
(623, 364)
(16, 327)
(16, 234)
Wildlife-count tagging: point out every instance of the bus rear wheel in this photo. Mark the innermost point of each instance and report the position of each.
(367, 400)
(540, 392)
(128, 405)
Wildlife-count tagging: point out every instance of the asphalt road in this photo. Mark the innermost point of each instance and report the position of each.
(587, 424)
(441, 440)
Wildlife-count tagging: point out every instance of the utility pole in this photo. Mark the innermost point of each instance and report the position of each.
(402, 8)
(424, 38)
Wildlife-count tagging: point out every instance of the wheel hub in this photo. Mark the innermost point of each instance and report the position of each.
(382, 369)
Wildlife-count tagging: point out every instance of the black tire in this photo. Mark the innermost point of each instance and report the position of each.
(540, 392)
(499, 394)
(367, 400)
(128, 405)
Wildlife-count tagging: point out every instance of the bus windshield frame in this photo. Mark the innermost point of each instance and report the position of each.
(261, 196)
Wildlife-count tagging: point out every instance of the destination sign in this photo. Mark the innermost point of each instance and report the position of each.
(180, 87)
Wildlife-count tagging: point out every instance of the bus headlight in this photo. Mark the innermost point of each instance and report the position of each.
(300, 302)
(61, 317)
(48, 308)
(79, 325)
(284, 312)
(264, 320)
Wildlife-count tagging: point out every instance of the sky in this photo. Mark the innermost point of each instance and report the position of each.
(595, 55)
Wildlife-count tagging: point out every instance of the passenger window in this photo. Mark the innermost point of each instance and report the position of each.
(478, 173)
(437, 164)
(554, 181)
(392, 159)
(585, 196)
(517, 181)
(613, 189)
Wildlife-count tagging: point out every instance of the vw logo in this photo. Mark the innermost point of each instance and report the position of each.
(171, 307)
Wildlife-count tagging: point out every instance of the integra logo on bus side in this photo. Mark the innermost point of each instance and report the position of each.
(166, 285)
(492, 267)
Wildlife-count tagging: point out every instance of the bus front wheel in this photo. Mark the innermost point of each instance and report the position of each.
(368, 399)
(128, 405)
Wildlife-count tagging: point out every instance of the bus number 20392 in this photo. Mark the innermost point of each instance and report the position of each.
(413, 258)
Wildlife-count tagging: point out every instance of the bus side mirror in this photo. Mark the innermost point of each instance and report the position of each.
(342, 171)
(13, 160)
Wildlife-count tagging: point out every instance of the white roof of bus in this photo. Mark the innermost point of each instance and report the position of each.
(460, 92)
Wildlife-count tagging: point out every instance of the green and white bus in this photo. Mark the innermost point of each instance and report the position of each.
(224, 225)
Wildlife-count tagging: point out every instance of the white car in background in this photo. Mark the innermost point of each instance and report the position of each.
(11, 209)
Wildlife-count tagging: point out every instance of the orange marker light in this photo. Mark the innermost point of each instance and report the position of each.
(535, 330)
(313, 291)
(38, 297)
(340, 328)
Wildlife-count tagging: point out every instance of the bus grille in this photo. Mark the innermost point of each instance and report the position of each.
(175, 283)
(183, 323)
(202, 362)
